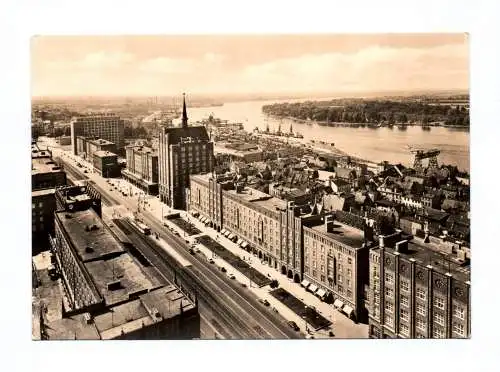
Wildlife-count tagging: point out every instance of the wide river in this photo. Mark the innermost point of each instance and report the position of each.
(371, 144)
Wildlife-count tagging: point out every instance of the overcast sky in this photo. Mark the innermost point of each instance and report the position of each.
(164, 65)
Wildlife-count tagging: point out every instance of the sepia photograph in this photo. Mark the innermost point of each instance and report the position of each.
(250, 187)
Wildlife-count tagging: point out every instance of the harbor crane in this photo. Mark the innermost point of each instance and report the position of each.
(421, 154)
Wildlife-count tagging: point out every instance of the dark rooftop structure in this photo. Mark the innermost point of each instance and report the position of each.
(176, 134)
(341, 233)
(90, 238)
(426, 254)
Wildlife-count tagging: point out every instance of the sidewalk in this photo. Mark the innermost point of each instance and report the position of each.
(342, 326)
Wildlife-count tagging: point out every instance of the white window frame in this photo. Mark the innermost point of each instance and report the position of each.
(424, 312)
(458, 312)
(435, 331)
(457, 325)
(420, 293)
(439, 302)
(439, 318)
(417, 322)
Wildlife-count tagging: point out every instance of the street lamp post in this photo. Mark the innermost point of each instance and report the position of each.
(305, 319)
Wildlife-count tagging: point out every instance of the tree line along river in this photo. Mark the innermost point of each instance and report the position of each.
(372, 144)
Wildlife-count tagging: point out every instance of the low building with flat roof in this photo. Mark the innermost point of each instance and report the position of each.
(106, 164)
(103, 292)
(142, 168)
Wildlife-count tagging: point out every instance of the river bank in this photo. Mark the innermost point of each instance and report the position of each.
(375, 145)
(363, 125)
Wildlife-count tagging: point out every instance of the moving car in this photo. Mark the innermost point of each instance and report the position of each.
(293, 325)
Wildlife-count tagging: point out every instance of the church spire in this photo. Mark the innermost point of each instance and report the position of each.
(184, 111)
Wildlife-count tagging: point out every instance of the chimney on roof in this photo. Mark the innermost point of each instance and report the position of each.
(402, 246)
(329, 223)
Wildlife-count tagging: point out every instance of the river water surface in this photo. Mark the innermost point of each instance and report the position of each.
(371, 144)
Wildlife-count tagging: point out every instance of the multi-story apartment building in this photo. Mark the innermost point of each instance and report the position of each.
(269, 227)
(142, 168)
(181, 152)
(46, 175)
(107, 126)
(416, 292)
(336, 263)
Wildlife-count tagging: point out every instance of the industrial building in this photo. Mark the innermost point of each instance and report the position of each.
(109, 127)
(416, 291)
(182, 152)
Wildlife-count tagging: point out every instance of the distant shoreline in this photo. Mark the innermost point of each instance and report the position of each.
(362, 125)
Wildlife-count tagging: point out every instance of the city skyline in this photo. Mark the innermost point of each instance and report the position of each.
(163, 65)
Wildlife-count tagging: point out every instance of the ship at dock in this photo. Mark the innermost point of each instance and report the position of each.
(215, 123)
(278, 133)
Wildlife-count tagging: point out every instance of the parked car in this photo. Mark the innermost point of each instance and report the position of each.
(231, 276)
(243, 285)
(211, 261)
(191, 251)
(223, 269)
(264, 302)
(293, 325)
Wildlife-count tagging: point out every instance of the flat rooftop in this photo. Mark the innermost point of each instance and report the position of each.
(90, 238)
(258, 198)
(41, 165)
(102, 154)
(119, 278)
(43, 192)
(344, 234)
(425, 254)
(100, 142)
(155, 306)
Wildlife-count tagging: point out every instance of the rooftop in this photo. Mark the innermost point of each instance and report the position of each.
(259, 198)
(344, 234)
(119, 278)
(41, 165)
(90, 238)
(43, 192)
(101, 142)
(102, 154)
(157, 305)
(424, 254)
(175, 134)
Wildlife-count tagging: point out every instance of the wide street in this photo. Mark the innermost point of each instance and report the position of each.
(151, 211)
(226, 307)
